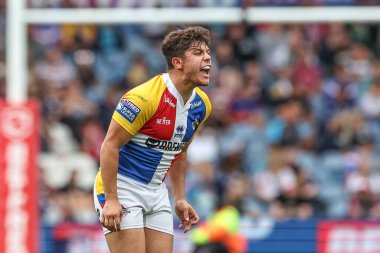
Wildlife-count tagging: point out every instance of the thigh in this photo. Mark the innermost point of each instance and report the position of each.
(160, 217)
(159, 227)
(161, 221)
(158, 242)
(130, 201)
(127, 241)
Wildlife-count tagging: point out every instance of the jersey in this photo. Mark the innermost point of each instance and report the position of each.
(161, 125)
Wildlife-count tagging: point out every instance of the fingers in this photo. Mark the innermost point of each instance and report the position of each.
(181, 223)
(188, 226)
(192, 219)
(102, 219)
(106, 221)
(187, 215)
(112, 223)
(185, 218)
(195, 218)
(117, 224)
(111, 215)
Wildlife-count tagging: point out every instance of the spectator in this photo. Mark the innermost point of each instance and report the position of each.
(55, 69)
(369, 103)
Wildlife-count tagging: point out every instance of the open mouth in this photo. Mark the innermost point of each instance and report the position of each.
(206, 69)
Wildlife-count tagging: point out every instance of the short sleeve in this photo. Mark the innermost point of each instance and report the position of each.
(132, 112)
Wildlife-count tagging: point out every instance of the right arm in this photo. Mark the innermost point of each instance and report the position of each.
(134, 110)
(109, 160)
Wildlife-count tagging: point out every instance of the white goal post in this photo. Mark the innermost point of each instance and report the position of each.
(18, 17)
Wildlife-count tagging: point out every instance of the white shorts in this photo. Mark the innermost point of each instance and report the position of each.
(143, 206)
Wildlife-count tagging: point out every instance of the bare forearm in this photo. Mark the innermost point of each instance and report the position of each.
(177, 178)
(109, 159)
(185, 212)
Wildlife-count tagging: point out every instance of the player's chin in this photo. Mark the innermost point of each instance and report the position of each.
(204, 78)
(203, 81)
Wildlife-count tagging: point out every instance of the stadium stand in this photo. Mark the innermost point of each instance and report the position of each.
(294, 132)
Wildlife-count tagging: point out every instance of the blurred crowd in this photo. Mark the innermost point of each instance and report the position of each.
(294, 132)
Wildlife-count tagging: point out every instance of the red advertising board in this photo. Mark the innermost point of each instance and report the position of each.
(349, 237)
(19, 135)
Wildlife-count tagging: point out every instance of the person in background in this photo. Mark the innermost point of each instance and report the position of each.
(220, 233)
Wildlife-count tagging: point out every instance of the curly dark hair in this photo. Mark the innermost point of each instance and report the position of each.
(177, 42)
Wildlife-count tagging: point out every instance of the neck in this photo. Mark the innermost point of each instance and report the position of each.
(183, 86)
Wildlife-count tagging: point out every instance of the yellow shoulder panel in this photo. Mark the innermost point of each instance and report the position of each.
(138, 105)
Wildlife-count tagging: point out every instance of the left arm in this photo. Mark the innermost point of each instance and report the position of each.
(185, 212)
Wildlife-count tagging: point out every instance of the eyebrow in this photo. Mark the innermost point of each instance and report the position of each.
(207, 49)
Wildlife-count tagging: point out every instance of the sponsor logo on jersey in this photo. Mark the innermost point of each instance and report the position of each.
(179, 131)
(163, 121)
(195, 124)
(169, 101)
(152, 143)
(195, 104)
(128, 110)
(165, 145)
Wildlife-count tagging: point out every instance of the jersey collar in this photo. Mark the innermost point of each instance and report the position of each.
(173, 90)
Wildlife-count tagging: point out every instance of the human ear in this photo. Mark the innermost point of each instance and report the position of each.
(177, 62)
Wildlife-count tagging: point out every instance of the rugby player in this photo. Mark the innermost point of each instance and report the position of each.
(148, 137)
